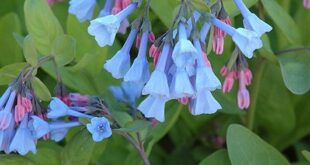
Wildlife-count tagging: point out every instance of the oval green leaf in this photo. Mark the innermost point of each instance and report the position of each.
(41, 90)
(244, 148)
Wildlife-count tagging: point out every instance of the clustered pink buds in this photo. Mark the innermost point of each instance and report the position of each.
(119, 6)
(218, 37)
(241, 72)
(23, 106)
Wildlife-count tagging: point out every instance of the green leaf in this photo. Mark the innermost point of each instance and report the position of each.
(42, 24)
(14, 160)
(166, 13)
(10, 72)
(283, 20)
(63, 49)
(79, 149)
(45, 148)
(296, 71)
(244, 148)
(274, 108)
(306, 154)
(135, 126)
(19, 39)
(30, 51)
(9, 49)
(219, 157)
(41, 90)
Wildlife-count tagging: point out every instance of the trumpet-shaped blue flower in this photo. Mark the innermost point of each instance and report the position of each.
(180, 85)
(38, 126)
(99, 128)
(247, 40)
(6, 137)
(251, 21)
(153, 107)
(58, 129)
(205, 78)
(83, 9)
(23, 141)
(158, 83)
(6, 114)
(105, 28)
(119, 64)
(204, 103)
(139, 71)
(60, 109)
(184, 53)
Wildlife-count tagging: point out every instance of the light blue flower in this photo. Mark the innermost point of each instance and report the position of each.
(119, 64)
(139, 71)
(158, 83)
(204, 103)
(23, 141)
(99, 128)
(59, 129)
(38, 126)
(59, 109)
(132, 90)
(251, 21)
(6, 114)
(105, 28)
(184, 53)
(247, 40)
(83, 9)
(118, 93)
(180, 85)
(5, 97)
(196, 15)
(205, 78)
(6, 137)
(106, 10)
(153, 107)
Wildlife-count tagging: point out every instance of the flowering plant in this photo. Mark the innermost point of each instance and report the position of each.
(148, 81)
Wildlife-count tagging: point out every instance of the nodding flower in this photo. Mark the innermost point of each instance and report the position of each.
(247, 40)
(119, 64)
(251, 21)
(139, 71)
(82, 9)
(104, 29)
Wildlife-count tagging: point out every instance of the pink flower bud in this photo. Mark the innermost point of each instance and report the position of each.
(184, 100)
(116, 10)
(152, 37)
(224, 71)
(243, 98)
(228, 83)
(205, 57)
(218, 45)
(248, 76)
(154, 122)
(307, 4)
(125, 3)
(138, 39)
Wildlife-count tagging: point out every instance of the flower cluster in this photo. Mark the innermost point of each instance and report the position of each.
(237, 69)
(307, 4)
(19, 111)
(182, 69)
(24, 120)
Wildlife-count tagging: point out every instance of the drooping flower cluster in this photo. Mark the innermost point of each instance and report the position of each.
(182, 69)
(78, 107)
(237, 69)
(19, 111)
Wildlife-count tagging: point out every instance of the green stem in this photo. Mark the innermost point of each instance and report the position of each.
(254, 92)
(281, 52)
